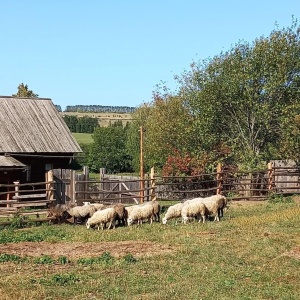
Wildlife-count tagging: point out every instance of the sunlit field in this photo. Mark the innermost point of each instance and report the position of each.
(252, 253)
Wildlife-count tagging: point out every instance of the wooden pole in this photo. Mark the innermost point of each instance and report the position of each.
(86, 174)
(219, 178)
(50, 178)
(152, 182)
(270, 177)
(142, 182)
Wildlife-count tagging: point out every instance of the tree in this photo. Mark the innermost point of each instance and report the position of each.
(23, 91)
(108, 150)
(239, 97)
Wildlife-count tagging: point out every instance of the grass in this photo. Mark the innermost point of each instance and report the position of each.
(83, 138)
(241, 257)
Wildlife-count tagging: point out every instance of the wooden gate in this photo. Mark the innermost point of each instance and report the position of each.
(63, 185)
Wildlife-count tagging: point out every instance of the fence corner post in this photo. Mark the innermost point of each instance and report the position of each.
(270, 176)
(50, 185)
(152, 182)
(219, 178)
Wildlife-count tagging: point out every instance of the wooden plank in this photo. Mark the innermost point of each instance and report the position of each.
(8, 201)
(31, 203)
(30, 196)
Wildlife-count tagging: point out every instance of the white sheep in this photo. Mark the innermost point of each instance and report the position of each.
(215, 205)
(101, 218)
(156, 209)
(194, 209)
(174, 211)
(121, 213)
(141, 212)
(98, 205)
(130, 208)
(81, 212)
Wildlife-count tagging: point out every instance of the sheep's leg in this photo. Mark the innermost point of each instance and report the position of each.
(110, 224)
(199, 218)
(113, 223)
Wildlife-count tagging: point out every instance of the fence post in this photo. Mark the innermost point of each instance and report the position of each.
(86, 178)
(142, 182)
(73, 187)
(152, 182)
(50, 185)
(219, 178)
(17, 187)
(270, 176)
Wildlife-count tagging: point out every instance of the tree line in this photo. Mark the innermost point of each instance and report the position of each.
(99, 109)
(82, 124)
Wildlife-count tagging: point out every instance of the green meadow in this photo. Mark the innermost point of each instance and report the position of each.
(252, 253)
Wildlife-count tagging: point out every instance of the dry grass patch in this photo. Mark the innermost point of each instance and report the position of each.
(77, 250)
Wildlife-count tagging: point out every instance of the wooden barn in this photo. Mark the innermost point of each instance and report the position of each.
(33, 140)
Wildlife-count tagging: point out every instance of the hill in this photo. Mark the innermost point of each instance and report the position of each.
(104, 118)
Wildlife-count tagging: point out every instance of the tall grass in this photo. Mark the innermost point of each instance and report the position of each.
(244, 256)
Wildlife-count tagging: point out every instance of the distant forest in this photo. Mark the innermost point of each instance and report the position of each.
(97, 109)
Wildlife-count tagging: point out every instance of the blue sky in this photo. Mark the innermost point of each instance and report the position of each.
(113, 52)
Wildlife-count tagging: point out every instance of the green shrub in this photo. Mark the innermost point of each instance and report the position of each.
(44, 259)
(11, 257)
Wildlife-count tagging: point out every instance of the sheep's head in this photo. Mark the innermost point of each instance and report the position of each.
(185, 220)
(164, 220)
(88, 225)
(129, 221)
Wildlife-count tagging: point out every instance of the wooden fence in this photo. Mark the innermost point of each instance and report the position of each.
(27, 199)
(65, 186)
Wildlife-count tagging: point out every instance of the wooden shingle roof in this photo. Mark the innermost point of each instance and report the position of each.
(7, 161)
(30, 125)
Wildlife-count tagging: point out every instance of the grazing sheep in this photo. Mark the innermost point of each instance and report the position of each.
(141, 212)
(81, 213)
(121, 213)
(215, 205)
(156, 209)
(130, 208)
(194, 209)
(191, 200)
(98, 205)
(173, 212)
(101, 217)
(58, 212)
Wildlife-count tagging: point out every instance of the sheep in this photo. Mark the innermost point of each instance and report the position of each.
(174, 211)
(121, 213)
(194, 209)
(216, 205)
(81, 212)
(102, 217)
(140, 212)
(156, 210)
(98, 205)
(58, 212)
(130, 208)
